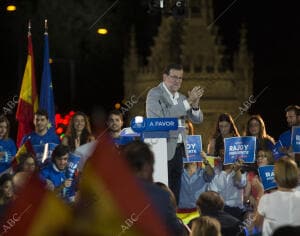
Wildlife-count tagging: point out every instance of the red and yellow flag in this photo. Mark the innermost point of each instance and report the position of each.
(35, 212)
(28, 99)
(112, 202)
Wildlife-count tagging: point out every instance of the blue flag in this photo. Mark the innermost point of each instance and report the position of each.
(46, 97)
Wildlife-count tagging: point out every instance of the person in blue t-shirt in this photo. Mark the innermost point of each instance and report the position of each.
(7, 145)
(41, 136)
(55, 173)
(292, 112)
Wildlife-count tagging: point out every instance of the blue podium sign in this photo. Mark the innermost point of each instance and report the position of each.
(140, 124)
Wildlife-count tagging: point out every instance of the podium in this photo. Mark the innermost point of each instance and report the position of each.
(156, 131)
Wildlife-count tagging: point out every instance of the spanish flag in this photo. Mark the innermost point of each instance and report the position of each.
(35, 212)
(111, 201)
(28, 99)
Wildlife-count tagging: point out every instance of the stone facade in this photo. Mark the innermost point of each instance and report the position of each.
(194, 42)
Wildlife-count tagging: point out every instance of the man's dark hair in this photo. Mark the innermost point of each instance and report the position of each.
(42, 112)
(173, 66)
(210, 201)
(115, 112)
(59, 151)
(137, 155)
(294, 108)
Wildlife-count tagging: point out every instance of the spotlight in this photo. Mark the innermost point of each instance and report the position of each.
(179, 8)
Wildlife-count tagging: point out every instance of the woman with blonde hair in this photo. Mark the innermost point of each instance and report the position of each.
(281, 207)
(206, 226)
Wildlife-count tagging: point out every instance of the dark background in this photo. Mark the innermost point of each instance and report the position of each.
(95, 63)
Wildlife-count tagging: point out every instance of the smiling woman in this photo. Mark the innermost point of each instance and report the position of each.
(78, 132)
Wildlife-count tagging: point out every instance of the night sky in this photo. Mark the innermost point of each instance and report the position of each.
(273, 38)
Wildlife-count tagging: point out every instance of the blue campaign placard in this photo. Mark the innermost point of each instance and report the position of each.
(141, 124)
(295, 139)
(73, 163)
(239, 148)
(267, 176)
(276, 150)
(193, 149)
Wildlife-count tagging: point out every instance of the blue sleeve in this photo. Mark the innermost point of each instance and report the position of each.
(44, 174)
(24, 139)
(285, 139)
(13, 148)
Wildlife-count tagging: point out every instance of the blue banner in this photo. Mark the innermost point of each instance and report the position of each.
(267, 176)
(193, 149)
(239, 148)
(296, 139)
(276, 150)
(140, 124)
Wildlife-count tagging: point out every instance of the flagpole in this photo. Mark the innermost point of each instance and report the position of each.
(29, 27)
(46, 26)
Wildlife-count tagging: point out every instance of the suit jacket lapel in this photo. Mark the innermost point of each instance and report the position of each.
(165, 96)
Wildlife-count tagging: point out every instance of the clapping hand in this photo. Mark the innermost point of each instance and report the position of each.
(194, 96)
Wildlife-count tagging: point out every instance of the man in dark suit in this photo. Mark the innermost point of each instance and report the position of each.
(165, 101)
(141, 159)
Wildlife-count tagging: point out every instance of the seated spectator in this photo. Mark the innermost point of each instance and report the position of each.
(7, 193)
(254, 189)
(230, 183)
(27, 163)
(206, 226)
(194, 181)
(281, 207)
(211, 204)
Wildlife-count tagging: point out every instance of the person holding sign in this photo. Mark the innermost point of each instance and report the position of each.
(256, 127)
(292, 112)
(166, 101)
(225, 128)
(55, 173)
(281, 207)
(194, 181)
(254, 189)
